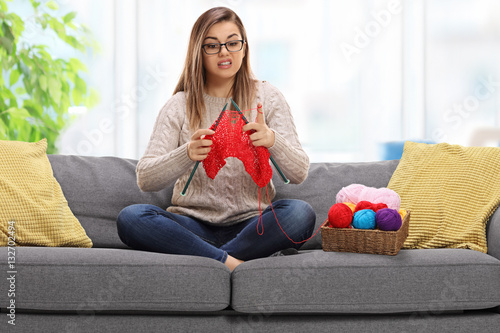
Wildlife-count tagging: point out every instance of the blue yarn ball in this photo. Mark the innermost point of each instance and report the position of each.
(364, 219)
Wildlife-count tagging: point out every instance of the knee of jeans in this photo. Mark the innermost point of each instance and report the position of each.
(311, 219)
(127, 221)
(305, 211)
(306, 214)
(130, 214)
(301, 212)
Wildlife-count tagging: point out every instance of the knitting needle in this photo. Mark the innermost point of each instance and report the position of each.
(183, 193)
(286, 180)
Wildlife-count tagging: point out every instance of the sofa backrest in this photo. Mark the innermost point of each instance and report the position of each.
(97, 189)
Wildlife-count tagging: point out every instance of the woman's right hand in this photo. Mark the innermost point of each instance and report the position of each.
(199, 147)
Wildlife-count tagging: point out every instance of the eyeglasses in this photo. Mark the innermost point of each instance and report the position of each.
(231, 46)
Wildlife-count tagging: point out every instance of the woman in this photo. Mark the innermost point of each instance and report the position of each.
(218, 218)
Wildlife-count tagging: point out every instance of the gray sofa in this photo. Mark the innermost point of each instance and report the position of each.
(110, 288)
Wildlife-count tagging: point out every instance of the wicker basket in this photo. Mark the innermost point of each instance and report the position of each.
(364, 241)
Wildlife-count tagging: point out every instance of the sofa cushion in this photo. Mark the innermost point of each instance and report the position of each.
(325, 180)
(98, 188)
(451, 191)
(338, 282)
(33, 209)
(92, 280)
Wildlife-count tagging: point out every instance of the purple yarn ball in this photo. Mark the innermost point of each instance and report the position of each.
(388, 219)
(364, 219)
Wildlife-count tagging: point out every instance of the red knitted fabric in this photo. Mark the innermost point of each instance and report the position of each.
(229, 140)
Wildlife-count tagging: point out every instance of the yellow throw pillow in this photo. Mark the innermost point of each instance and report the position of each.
(33, 208)
(451, 192)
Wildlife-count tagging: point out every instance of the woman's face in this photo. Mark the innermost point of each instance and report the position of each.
(223, 65)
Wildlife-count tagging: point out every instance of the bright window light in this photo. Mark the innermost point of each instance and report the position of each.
(77, 110)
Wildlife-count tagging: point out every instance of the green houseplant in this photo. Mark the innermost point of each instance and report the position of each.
(36, 89)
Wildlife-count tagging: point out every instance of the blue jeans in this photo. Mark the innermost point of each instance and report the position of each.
(150, 228)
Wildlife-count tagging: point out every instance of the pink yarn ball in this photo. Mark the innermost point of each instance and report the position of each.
(355, 193)
(381, 195)
(350, 193)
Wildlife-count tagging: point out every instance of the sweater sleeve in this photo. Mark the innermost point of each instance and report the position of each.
(165, 158)
(287, 150)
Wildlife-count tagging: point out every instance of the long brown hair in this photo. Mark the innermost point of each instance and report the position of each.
(193, 77)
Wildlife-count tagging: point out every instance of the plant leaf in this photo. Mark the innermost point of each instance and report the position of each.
(17, 24)
(22, 113)
(77, 97)
(55, 89)
(69, 17)
(42, 20)
(77, 65)
(8, 39)
(80, 85)
(3, 133)
(52, 5)
(20, 91)
(35, 4)
(33, 108)
(58, 27)
(71, 25)
(7, 44)
(42, 80)
(26, 71)
(3, 6)
(17, 113)
(14, 76)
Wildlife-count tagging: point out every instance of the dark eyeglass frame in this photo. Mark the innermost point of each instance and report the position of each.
(224, 44)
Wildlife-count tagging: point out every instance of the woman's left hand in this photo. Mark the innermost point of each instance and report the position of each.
(263, 135)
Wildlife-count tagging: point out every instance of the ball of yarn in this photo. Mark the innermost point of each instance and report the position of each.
(363, 205)
(355, 193)
(350, 193)
(402, 212)
(388, 219)
(364, 219)
(368, 205)
(351, 205)
(340, 216)
(381, 195)
(378, 206)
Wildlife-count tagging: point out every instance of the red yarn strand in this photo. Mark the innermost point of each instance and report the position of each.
(276, 218)
(261, 218)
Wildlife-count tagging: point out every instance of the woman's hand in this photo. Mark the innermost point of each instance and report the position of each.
(263, 135)
(199, 147)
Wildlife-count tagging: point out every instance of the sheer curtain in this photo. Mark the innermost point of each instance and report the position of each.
(462, 75)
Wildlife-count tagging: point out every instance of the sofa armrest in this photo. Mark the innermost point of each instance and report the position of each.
(493, 234)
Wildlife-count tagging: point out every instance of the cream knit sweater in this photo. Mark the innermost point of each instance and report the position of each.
(232, 196)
